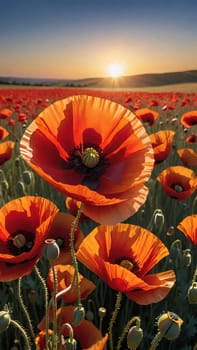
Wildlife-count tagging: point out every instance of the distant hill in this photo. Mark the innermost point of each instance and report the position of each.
(140, 80)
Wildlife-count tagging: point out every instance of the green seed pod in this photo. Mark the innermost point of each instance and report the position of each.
(51, 249)
(89, 315)
(4, 321)
(4, 185)
(20, 188)
(134, 337)
(70, 344)
(192, 293)
(27, 177)
(102, 312)
(169, 325)
(78, 315)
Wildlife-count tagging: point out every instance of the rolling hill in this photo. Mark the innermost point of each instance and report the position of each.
(140, 80)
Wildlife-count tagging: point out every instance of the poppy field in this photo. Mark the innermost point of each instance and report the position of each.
(98, 219)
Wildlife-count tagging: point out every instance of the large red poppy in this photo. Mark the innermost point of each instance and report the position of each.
(24, 225)
(122, 255)
(93, 150)
(6, 149)
(178, 182)
(189, 227)
(189, 119)
(86, 334)
(162, 144)
(64, 276)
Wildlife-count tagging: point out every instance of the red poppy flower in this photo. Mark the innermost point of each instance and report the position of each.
(162, 144)
(103, 161)
(122, 255)
(189, 227)
(22, 117)
(11, 122)
(189, 119)
(191, 138)
(3, 133)
(40, 340)
(188, 156)
(178, 182)
(6, 149)
(5, 113)
(86, 334)
(64, 275)
(60, 231)
(147, 115)
(24, 225)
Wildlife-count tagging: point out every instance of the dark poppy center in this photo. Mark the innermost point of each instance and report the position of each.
(127, 264)
(20, 242)
(90, 162)
(178, 188)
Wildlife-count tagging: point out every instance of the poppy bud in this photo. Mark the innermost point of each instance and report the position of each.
(20, 188)
(102, 312)
(169, 325)
(70, 344)
(4, 185)
(27, 177)
(134, 337)
(159, 219)
(192, 293)
(89, 315)
(78, 315)
(4, 321)
(187, 258)
(51, 249)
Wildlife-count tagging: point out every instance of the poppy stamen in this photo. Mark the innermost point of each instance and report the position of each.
(178, 188)
(127, 264)
(90, 157)
(19, 241)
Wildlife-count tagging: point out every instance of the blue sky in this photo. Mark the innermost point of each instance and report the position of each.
(77, 39)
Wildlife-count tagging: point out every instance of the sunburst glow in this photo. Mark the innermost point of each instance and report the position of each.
(115, 70)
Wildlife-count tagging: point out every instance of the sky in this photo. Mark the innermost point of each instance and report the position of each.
(76, 39)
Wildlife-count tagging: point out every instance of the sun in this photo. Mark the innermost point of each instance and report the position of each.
(115, 70)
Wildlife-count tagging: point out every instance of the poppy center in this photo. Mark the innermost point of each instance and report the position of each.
(19, 240)
(178, 188)
(90, 157)
(127, 264)
(90, 162)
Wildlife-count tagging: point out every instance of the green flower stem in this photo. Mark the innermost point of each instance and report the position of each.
(44, 286)
(22, 331)
(54, 299)
(73, 254)
(113, 318)
(23, 307)
(126, 328)
(155, 341)
(45, 289)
